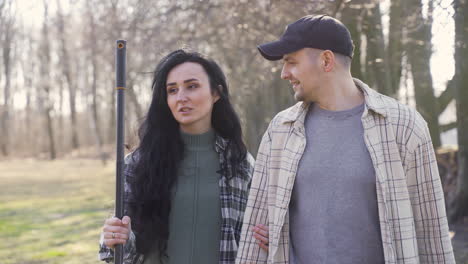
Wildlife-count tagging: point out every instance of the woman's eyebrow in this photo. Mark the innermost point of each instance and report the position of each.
(186, 81)
(190, 80)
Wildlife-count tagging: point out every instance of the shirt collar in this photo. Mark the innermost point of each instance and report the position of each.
(372, 99)
(220, 144)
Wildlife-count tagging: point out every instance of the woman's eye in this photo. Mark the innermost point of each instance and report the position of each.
(191, 86)
(171, 90)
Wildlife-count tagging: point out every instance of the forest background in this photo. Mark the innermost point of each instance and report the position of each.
(57, 95)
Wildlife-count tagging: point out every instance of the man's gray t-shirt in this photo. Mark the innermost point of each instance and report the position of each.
(333, 211)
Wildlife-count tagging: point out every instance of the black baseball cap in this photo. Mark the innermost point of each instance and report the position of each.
(313, 31)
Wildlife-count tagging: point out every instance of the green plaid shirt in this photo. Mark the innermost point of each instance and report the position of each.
(410, 199)
(234, 187)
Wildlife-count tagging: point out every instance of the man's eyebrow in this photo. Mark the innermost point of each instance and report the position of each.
(186, 81)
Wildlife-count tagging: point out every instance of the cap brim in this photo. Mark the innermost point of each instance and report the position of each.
(277, 49)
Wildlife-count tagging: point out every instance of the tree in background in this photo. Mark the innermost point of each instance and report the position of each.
(91, 45)
(352, 15)
(460, 207)
(419, 48)
(395, 46)
(65, 65)
(80, 63)
(45, 98)
(376, 60)
(7, 34)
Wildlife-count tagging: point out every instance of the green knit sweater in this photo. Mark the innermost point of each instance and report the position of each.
(195, 219)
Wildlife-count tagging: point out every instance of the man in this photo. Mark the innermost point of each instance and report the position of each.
(346, 175)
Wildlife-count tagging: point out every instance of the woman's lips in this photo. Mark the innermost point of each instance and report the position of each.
(185, 110)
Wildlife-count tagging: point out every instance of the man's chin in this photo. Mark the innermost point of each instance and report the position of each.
(299, 97)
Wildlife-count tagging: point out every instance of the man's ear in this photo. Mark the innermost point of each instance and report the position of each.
(328, 60)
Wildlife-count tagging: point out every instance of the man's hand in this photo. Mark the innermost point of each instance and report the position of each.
(260, 232)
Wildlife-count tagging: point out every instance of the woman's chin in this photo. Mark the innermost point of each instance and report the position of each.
(185, 123)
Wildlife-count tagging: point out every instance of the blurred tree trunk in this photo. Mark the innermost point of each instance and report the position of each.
(461, 94)
(111, 129)
(134, 101)
(419, 50)
(446, 96)
(44, 53)
(93, 47)
(377, 69)
(116, 34)
(395, 45)
(5, 124)
(61, 145)
(28, 82)
(351, 16)
(29, 67)
(66, 71)
(6, 37)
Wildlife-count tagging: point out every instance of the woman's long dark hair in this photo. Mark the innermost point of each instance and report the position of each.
(161, 150)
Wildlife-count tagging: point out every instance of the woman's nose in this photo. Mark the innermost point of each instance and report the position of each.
(181, 95)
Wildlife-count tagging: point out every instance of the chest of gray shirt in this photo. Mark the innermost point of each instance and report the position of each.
(333, 210)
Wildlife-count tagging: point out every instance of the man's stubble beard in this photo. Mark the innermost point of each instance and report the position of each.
(299, 95)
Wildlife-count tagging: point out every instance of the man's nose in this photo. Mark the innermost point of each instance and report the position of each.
(285, 74)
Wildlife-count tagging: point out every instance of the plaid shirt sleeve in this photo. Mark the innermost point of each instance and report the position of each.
(256, 211)
(427, 199)
(247, 171)
(130, 255)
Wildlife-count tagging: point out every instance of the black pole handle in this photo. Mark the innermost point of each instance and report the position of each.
(120, 65)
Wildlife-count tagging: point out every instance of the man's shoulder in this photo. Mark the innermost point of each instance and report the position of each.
(406, 119)
(395, 111)
(287, 115)
(400, 113)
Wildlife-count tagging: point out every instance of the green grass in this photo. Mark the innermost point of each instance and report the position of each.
(52, 211)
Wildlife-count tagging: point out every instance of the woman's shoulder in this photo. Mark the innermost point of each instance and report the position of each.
(131, 158)
(130, 162)
(249, 163)
(224, 145)
(249, 160)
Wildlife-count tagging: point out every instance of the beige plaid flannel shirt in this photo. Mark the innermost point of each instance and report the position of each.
(412, 215)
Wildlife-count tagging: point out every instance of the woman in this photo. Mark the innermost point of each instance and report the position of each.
(188, 180)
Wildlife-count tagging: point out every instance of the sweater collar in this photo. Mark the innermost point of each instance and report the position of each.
(198, 141)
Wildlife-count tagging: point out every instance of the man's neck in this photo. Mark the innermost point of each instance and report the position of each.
(340, 94)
